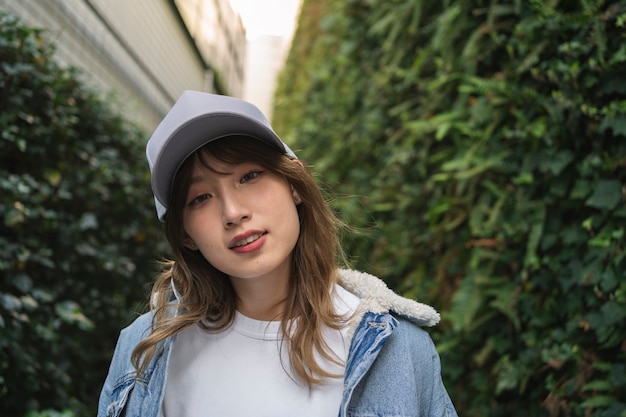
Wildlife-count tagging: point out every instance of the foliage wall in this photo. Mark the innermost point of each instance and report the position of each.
(78, 234)
(479, 147)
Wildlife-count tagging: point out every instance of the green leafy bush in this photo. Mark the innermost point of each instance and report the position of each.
(78, 235)
(480, 149)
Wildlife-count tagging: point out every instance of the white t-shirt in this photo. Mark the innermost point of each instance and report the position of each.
(245, 371)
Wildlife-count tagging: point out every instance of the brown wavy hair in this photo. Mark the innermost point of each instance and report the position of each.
(209, 299)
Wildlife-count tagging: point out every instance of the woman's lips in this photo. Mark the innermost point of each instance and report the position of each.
(248, 242)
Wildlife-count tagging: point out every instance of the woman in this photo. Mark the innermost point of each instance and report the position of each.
(253, 316)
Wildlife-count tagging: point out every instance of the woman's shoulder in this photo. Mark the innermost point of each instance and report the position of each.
(137, 330)
(140, 323)
(412, 336)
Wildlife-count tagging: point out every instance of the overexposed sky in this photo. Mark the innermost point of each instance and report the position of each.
(267, 17)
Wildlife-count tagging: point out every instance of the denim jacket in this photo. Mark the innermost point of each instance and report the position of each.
(392, 367)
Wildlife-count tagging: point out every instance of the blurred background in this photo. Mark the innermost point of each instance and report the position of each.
(477, 149)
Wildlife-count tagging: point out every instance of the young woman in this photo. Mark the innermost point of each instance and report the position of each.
(253, 317)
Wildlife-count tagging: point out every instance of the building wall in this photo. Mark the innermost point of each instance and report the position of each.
(221, 40)
(138, 49)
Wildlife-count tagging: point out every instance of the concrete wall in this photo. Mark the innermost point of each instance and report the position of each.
(139, 49)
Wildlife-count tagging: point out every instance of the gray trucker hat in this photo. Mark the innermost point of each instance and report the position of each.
(196, 119)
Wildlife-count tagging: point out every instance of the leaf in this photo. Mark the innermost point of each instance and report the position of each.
(70, 312)
(88, 221)
(616, 124)
(466, 303)
(557, 163)
(508, 375)
(14, 216)
(613, 313)
(598, 385)
(505, 304)
(22, 282)
(598, 401)
(10, 302)
(607, 195)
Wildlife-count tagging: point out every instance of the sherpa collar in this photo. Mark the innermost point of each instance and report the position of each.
(376, 297)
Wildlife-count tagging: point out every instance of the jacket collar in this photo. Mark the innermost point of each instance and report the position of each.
(376, 297)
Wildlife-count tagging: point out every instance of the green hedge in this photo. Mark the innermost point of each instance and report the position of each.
(480, 149)
(78, 233)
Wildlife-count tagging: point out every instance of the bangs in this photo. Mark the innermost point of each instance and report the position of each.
(236, 150)
(231, 150)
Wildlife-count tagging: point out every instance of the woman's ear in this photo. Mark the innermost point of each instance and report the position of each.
(296, 197)
(190, 244)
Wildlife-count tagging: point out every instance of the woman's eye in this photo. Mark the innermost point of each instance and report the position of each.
(197, 200)
(251, 175)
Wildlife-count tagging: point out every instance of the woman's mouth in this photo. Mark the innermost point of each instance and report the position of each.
(247, 240)
(248, 243)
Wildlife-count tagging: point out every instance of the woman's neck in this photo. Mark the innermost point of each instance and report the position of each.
(261, 298)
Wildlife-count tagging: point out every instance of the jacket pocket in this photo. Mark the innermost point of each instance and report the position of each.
(119, 397)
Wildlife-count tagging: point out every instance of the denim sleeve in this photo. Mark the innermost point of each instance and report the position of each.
(441, 402)
(404, 380)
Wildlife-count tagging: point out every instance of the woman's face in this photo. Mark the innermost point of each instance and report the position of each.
(242, 218)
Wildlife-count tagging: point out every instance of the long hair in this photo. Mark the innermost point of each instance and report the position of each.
(209, 299)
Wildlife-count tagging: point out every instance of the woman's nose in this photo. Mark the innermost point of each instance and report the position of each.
(234, 210)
